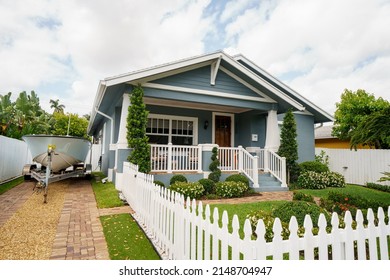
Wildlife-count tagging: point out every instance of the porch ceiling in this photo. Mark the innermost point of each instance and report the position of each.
(194, 105)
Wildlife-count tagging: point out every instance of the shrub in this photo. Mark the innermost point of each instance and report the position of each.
(230, 189)
(178, 178)
(310, 180)
(378, 187)
(159, 183)
(313, 166)
(355, 200)
(238, 178)
(333, 180)
(215, 171)
(300, 209)
(191, 190)
(303, 197)
(268, 220)
(314, 180)
(208, 185)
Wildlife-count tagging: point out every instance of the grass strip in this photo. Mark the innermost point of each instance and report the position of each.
(126, 240)
(106, 194)
(9, 185)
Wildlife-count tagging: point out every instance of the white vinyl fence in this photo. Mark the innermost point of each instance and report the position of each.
(184, 229)
(358, 167)
(14, 155)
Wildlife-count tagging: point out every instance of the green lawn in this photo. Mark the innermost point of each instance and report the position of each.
(354, 190)
(105, 194)
(9, 185)
(125, 240)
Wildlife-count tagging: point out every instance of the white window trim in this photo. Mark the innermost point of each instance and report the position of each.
(178, 118)
(232, 126)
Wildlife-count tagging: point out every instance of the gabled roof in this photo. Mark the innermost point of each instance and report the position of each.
(239, 66)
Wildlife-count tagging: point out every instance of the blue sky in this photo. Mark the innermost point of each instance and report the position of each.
(61, 49)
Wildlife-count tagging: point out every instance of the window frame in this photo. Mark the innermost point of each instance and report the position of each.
(171, 118)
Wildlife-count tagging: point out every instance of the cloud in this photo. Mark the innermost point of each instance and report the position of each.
(319, 48)
(61, 49)
(78, 43)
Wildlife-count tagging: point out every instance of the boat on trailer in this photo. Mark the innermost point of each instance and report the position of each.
(59, 158)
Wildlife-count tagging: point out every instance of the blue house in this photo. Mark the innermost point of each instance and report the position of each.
(200, 102)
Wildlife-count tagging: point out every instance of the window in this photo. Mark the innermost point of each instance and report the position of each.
(164, 129)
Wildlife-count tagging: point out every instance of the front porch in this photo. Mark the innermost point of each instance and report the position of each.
(263, 167)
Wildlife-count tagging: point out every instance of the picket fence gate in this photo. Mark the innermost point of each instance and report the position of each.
(185, 230)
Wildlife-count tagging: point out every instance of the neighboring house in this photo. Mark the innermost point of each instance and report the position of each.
(324, 139)
(208, 99)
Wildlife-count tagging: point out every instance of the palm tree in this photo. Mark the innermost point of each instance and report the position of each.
(58, 108)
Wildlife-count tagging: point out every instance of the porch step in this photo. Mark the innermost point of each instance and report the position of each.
(269, 184)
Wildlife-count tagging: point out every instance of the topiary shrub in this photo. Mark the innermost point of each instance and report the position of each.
(193, 190)
(159, 183)
(230, 189)
(209, 185)
(215, 171)
(299, 209)
(313, 166)
(238, 178)
(178, 178)
(303, 197)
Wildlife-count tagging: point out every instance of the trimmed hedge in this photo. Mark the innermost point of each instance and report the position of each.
(208, 185)
(178, 178)
(378, 187)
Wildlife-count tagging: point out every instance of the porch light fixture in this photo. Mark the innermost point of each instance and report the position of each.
(206, 124)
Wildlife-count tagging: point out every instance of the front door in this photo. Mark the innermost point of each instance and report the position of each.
(223, 130)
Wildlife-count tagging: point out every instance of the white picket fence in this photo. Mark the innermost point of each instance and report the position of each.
(183, 229)
(14, 155)
(359, 167)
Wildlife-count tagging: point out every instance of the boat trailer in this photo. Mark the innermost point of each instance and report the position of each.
(44, 176)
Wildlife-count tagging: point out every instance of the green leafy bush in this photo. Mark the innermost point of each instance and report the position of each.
(314, 180)
(208, 185)
(230, 189)
(310, 180)
(378, 187)
(238, 178)
(178, 178)
(188, 189)
(303, 197)
(313, 166)
(355, 200)
(268, 221)
(300, 209)
(159, 183)
(333, 180)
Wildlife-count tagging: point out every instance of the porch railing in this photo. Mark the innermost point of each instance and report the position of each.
(271, 162)
(180, 158)
(168, 158)
(239, 159)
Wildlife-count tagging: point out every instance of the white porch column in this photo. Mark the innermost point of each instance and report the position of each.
(272, 137)
(122, 140)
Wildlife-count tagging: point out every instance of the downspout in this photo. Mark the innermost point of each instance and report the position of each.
(112, 124)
